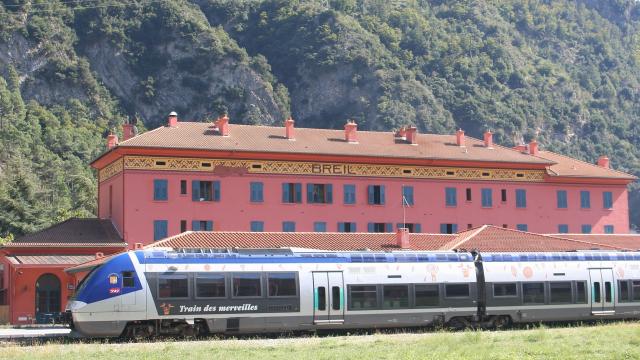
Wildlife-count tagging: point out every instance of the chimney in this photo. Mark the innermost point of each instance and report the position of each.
(521, 148)
(401, 133)
(128, 131)
(172, 121)
(603, 161)
(99, 255)
(223, 124)
(351, 132)
(112, 141)
(533, 147)
(290, 130)
(137, 246)
(412, 135)
(460, 137)
(402, 238)
(488, 139)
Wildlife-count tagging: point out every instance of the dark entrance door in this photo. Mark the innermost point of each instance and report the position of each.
(47, 298)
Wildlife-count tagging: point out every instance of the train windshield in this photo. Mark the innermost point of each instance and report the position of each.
(83, 283)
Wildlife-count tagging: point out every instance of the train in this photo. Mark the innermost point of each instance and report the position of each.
(155, 292)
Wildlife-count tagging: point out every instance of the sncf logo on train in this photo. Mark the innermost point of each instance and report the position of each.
(114, 291)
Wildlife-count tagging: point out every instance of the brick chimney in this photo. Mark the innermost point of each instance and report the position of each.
(460, 137)
(401, 133)
(603, 161)
(521, 148)
(128, 131)
(112, 141)
(351, 132)
(223, 124)
(172, 120)
(533, 147)
(412, 135)
(290, 130)
(488, 139)
(402, 238)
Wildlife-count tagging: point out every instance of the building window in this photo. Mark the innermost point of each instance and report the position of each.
(608, 229)
(202, 225)
(451, 197)
(205, 190)
(291, 193)
(585, 199)
(183, 226)
(347, 227)
(407, 195)
(376, 194)
(562, 199)
(503, 195)
(468, 194)
(257, 226)
(522, 227)
(607, 199)
(349, 194)
(521, 198)
(288, 226)
(487, 198)
(448, 228)
(160, 189)
(319, 193)
(159, 229)
(256, 190)
(586, 229)
(320, 226)
(379, 227)
(183, 187)
(563, 229)
(412, 227)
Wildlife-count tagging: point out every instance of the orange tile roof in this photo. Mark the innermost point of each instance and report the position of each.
(569, 167)
(627, 241)
(322, 241)
(268, 139)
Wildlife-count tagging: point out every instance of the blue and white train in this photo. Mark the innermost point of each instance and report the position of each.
(165, 292)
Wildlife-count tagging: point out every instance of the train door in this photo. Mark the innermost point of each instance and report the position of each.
(602, 292)
(328, 297)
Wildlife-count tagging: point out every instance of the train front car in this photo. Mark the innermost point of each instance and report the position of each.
(109, 297)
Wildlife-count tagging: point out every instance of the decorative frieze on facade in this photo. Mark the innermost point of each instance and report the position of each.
(238, 167)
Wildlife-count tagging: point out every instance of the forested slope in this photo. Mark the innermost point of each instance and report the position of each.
(564, 72)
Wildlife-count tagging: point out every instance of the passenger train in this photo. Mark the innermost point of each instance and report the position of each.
(165, 292)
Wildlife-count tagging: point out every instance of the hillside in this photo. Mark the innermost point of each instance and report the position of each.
(564, 72)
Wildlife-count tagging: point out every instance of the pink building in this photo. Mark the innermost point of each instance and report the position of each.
(216, 176)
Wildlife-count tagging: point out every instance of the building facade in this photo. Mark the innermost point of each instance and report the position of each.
(188, 176)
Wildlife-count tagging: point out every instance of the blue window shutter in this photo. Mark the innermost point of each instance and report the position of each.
(586, 229)
(370, 193)
(389, 227)
(159, 229)
(454, 228)
(285, 192)
(563, 228)
(370, 227)
(353, 227)
(608, 229)
(195, 225)
(195, 190)
(310, 193)
(216, 191)
(585, 199)
(298, 188)
(329, 194)
(411, 200)
(340, 227)
(209, 225)
(562, 199)
(382, 194)
(521, 198)
(607, 200)
(417, 228)
(443, 228)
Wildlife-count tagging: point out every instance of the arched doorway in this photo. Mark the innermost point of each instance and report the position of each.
(47, 297)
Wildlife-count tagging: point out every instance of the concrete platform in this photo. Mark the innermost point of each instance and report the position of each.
(35, 332)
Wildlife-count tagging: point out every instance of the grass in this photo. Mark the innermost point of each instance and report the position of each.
(609, 341)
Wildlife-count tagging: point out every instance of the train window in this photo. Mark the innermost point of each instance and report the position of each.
(635, 290)
(247, 285)
(505, 290)
(560, 292)
(128, 279)
(581, 292)
(608, 291)
(456, 290)
(322, 298)
(173, 286)
(282, 284)
(395, 296)
(623, 291)
(596, 292)
(210, 286)
(533, 293)
(427, 295)
(363, 297)
(336, 298)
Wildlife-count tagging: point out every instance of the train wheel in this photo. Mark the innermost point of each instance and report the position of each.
(457, 324)
(502, 322)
